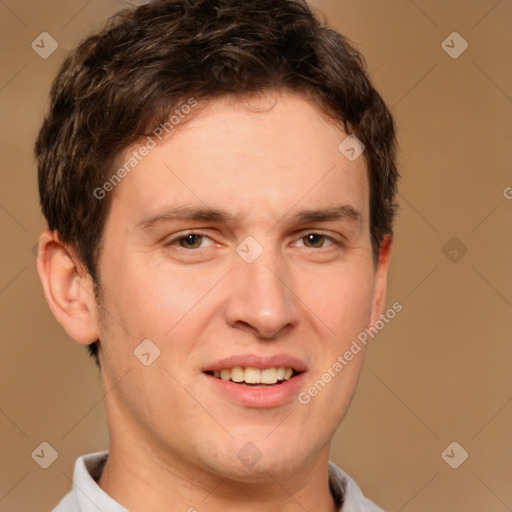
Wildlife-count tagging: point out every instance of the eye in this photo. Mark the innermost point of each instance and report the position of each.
(317, 240)
(191, 241)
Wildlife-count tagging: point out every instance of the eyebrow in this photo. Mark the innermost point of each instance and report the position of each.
(184, 213)
(343, 212)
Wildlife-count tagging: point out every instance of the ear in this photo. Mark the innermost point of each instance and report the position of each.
(381, 278)
(68, 288)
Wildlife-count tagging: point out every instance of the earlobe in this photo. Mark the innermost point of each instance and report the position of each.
(68, 288)
(381, 277)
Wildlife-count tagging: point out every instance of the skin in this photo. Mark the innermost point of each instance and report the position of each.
(174, 439)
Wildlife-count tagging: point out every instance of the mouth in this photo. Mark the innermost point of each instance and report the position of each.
(255, 377)
(255, 381)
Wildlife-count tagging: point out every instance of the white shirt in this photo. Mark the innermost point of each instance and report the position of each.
(87, 496)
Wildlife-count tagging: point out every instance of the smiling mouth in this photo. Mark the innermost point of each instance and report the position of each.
(250, 376)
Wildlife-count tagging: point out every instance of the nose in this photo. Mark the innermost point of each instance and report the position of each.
(261, 300)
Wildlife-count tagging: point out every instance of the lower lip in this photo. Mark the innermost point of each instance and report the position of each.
(259, 397)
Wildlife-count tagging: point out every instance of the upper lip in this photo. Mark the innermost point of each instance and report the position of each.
(256, 361)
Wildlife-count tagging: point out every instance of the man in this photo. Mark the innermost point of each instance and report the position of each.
(218, 179)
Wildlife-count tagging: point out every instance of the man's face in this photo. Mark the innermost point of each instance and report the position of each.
(188, 282)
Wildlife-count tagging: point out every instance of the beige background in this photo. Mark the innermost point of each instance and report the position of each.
(439, 372)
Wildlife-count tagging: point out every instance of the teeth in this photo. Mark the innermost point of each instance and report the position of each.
(237, 374)
(251, 375)
(269, 376)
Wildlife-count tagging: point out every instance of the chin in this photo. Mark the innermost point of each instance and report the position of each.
(252, 458)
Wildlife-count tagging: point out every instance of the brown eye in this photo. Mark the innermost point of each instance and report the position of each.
(314, 240)
(191, 241)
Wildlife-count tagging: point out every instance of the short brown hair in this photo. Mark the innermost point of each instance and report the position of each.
(123, 82)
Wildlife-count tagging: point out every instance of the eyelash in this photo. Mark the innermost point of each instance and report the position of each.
(175, 240)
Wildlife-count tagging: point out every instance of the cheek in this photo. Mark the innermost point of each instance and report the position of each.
(157, 301)
(341, 299)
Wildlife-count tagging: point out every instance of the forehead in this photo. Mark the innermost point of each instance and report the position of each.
(261, 155)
